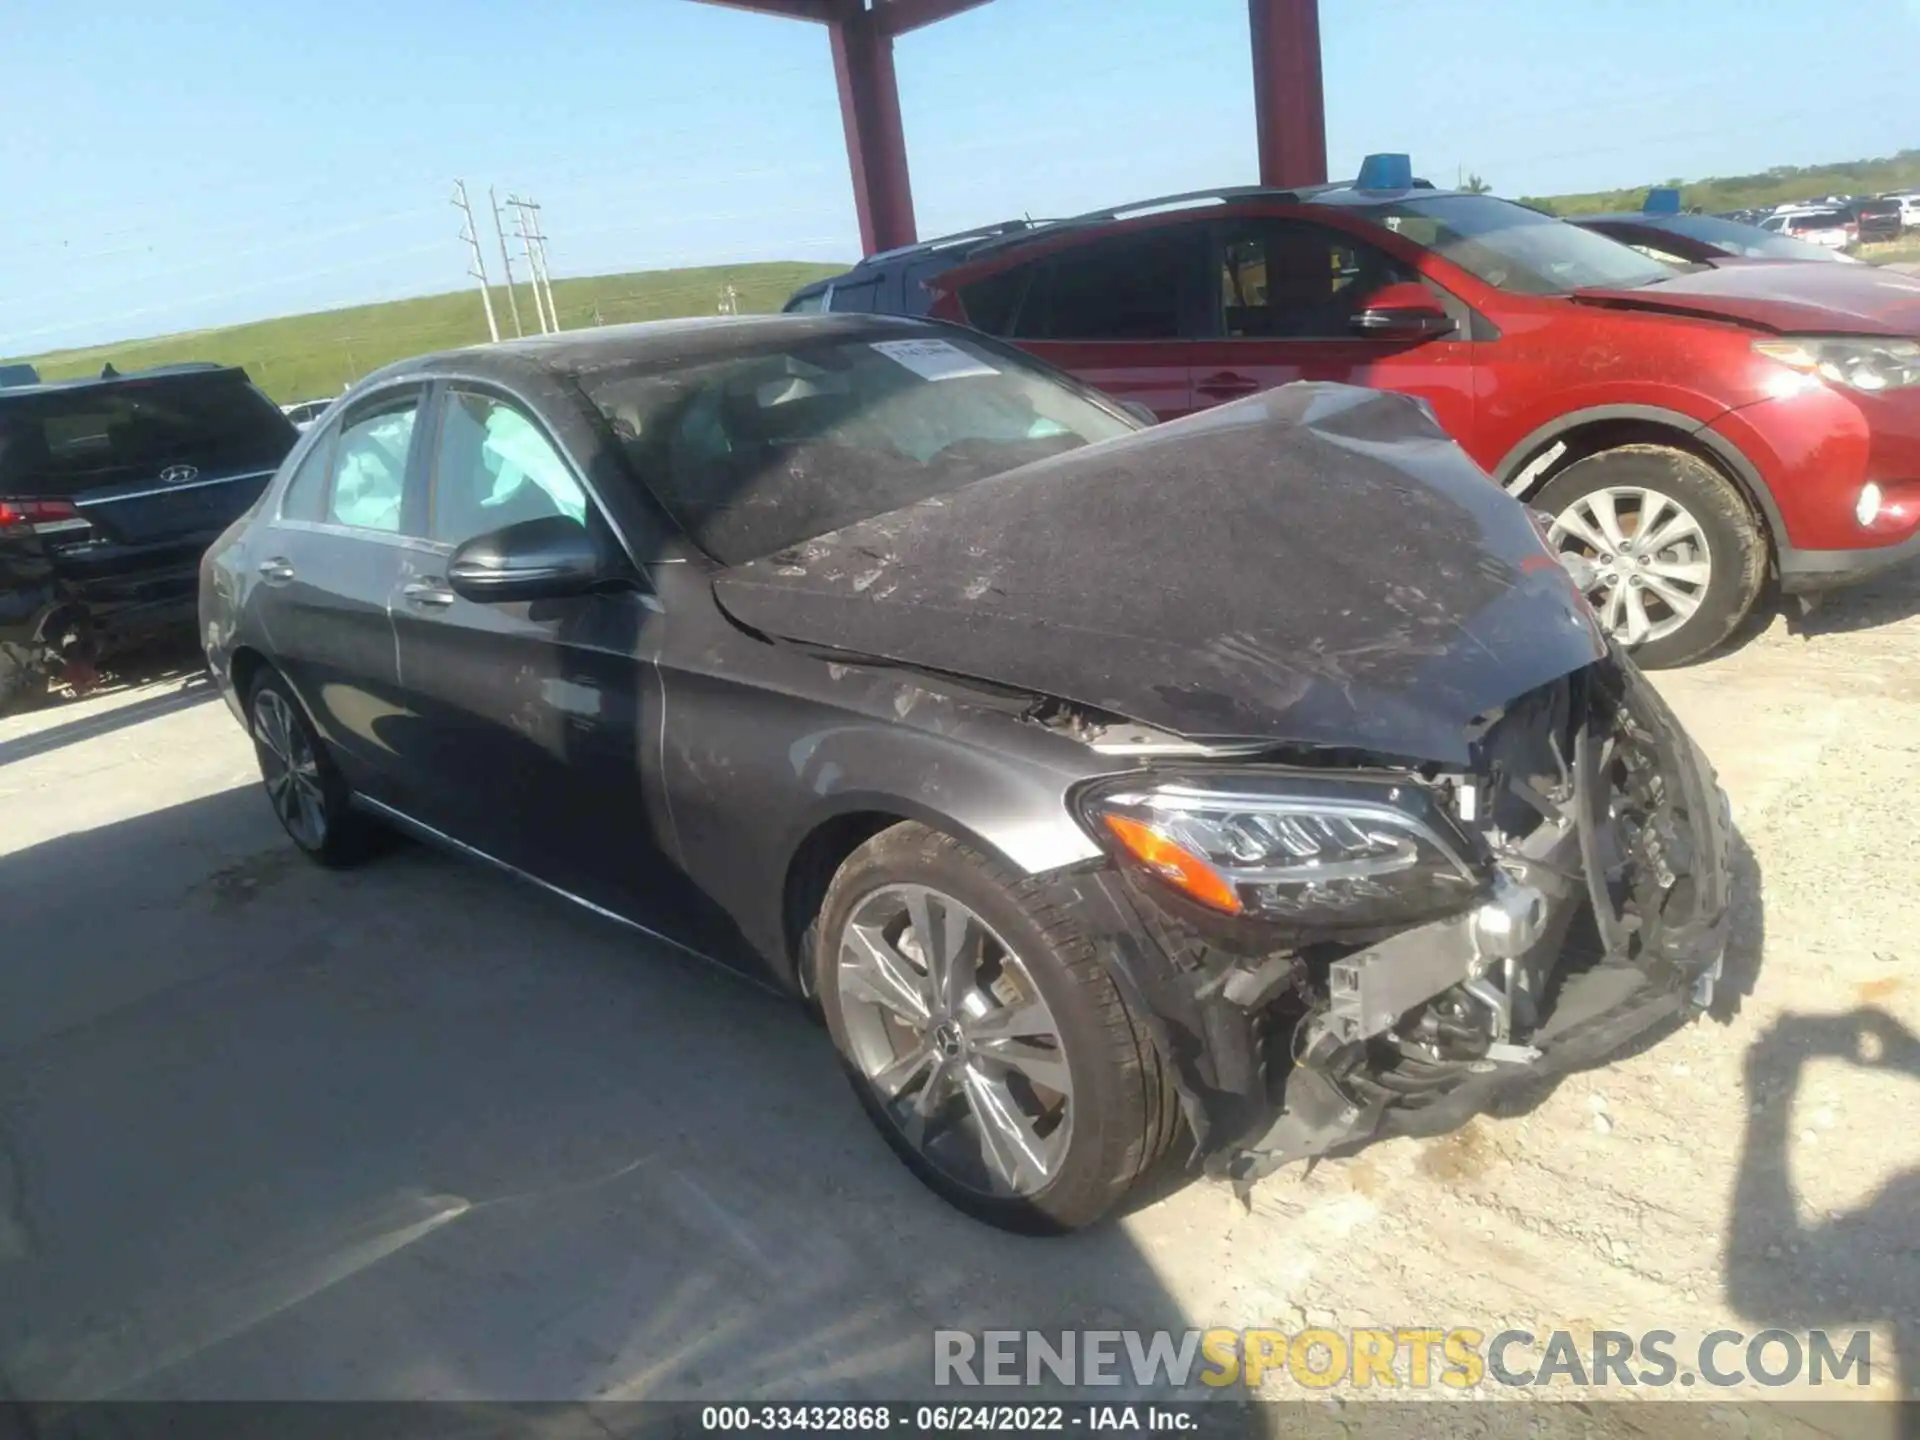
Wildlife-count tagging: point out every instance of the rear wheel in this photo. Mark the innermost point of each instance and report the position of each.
(985, 1037)
(309, 797)
(1673, 556)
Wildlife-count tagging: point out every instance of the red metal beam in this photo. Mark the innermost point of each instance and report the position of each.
(897, 17)
(1290, 110)
(819, 10)
(876, 138)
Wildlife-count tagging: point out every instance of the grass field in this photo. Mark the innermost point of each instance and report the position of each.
(304, 357)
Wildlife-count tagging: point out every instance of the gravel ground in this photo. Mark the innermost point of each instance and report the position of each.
(416, 1131)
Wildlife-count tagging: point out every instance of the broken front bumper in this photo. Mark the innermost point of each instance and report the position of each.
(1581, 944)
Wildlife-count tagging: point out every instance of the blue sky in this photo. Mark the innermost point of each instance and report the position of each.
(201, 162)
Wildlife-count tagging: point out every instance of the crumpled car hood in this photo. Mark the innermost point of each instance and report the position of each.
(1316, 565)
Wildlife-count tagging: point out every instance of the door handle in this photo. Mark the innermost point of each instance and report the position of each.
(277, 571)
(427, 592)
(1226, 384)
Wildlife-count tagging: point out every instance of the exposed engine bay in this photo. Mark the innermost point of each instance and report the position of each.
(1599, 846)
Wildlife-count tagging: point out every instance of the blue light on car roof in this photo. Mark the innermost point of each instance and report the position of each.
(1661, 200)
(1385, 172)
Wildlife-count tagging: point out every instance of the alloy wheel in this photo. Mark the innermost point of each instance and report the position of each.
(290, 769)
(1641, 556)
(945, 1023)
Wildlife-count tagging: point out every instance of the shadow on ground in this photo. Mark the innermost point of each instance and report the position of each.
(416, 1131)
(1846, 1268)
(1885, 600)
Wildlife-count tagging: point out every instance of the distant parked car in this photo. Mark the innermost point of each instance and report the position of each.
(1876, 221)
(1689, 432)
(110, 491)
(1909, 203)
(894, 281)
(1830, 226)
(1235, 786)
(305, 412)
(1693, 239)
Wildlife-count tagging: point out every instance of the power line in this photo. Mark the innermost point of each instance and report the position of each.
(478, 266)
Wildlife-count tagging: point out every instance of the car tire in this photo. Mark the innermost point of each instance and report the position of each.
(1085, 1105)
(310, 798)
(1707, 569)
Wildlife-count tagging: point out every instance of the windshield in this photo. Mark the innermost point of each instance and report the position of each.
(756, 452)
(1749, 240)
(1514, 248)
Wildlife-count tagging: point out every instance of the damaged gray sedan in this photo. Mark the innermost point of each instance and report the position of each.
(1229, 792)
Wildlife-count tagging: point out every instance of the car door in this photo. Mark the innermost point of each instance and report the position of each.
(328, 559)
(1117, 311)
(530, 719)
(1284, 294)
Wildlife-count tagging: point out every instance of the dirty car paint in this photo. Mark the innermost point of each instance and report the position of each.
(1315, 565)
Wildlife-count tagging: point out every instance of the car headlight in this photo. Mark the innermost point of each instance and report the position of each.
(1859, 364)
(1308, 853)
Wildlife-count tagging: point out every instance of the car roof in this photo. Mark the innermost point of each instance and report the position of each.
(120, 377)
(690, 340)
(1339, 193)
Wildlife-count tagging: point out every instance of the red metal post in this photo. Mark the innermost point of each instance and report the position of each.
(876, 139)
(1290, 110)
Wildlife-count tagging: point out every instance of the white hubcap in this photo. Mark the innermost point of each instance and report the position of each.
(1645, 562)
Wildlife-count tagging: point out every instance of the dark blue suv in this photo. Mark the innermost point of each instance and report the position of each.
(894, 281)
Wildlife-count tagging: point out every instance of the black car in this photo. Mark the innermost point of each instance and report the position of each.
(1235, 784)
(1877, 221)
(110, 491)
(1697, 239)
(893, 282)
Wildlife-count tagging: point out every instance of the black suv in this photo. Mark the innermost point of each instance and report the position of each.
(894, 281)
(111, 489)
(1876, 221)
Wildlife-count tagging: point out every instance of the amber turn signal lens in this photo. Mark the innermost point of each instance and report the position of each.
(1179, 867)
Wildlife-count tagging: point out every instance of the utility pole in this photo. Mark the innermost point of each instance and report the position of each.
(506, 262)
(535, 241)
(478, 267)
(533, 261)
(546, 270)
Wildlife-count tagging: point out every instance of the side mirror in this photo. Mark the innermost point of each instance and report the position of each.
(1139, 410)
(544, 559)
(1405, 310)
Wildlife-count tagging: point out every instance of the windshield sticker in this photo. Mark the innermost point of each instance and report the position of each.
(933, 359)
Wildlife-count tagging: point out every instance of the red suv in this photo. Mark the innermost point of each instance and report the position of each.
(1690, 430)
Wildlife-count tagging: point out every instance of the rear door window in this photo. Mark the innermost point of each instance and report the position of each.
(915, 298)
(306, 493)
(992, 302)
(367, 479)
(1125, 287)
(860, 299)
(1284, 279)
